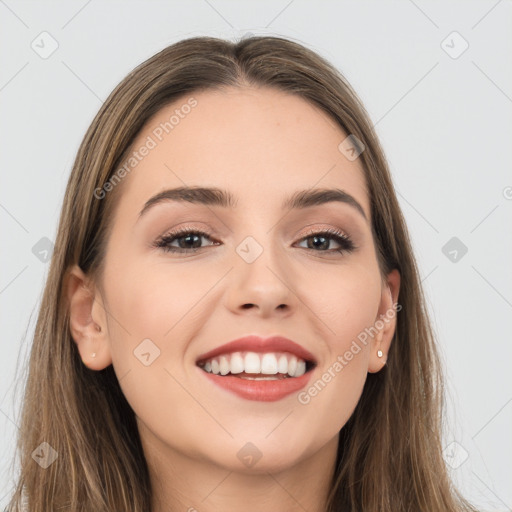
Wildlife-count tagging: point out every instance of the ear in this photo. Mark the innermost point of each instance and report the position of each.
(385, 323)
(87, 320)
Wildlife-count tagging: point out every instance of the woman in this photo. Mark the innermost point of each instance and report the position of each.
(233, 318)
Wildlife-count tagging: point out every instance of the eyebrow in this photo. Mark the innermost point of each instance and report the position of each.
(213, 196)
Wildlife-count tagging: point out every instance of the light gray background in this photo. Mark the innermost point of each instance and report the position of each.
(445, 124)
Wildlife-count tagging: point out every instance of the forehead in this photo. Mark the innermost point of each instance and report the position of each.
(258, 143)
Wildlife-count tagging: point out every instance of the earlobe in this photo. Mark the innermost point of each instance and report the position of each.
(385, 323)
(88, 333)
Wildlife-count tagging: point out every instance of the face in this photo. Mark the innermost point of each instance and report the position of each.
(183, 278)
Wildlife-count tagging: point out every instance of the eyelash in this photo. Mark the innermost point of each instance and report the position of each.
(338, 236)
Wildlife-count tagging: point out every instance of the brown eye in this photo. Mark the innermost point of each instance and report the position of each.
(322, 241)
(182, 241)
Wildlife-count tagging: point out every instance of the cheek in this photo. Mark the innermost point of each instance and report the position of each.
(150, 300)
(347, 302)
(151, 318)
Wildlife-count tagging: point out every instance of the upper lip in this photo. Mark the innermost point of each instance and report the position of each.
(254, 343)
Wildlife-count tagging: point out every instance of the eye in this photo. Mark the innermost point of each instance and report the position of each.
(183, 240)
(320, 241)
(189, 240)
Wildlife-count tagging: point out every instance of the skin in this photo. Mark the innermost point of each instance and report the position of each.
(257, 143)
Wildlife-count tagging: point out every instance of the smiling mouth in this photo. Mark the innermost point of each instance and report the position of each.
(257, 366)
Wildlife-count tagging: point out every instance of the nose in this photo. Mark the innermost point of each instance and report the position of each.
(262, 286)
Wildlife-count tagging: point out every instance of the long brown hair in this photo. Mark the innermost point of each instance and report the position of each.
(390, 451)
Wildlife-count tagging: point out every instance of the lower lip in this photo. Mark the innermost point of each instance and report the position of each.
(261, 390)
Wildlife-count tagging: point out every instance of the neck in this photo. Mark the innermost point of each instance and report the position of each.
(181, 483)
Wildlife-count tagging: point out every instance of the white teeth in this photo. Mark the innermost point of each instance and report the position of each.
(223, 365)
(266, 364)
(301, 368)
(252, 363)
(282, 365)
(269, 364)
(237, 363)
(292, 366)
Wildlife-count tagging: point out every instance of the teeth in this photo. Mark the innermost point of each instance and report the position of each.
(301, 368)
(269, 364)
(223, 365)
(292, 366)
(282, 365)
(266, 364)
(237, 363)
(252, 363)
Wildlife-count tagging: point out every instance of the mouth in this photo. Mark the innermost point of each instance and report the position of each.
(257, 366)
(258, 369)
